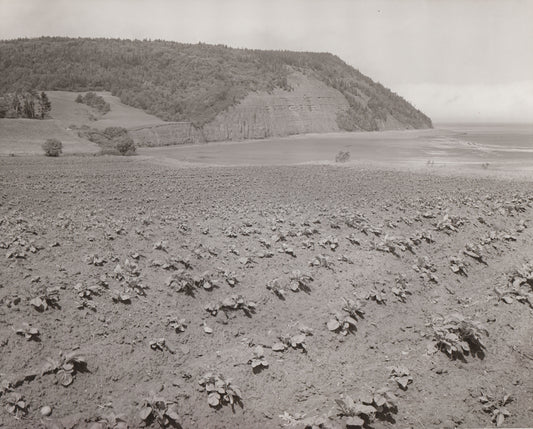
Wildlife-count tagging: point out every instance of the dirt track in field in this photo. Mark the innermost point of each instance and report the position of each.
(99, 228)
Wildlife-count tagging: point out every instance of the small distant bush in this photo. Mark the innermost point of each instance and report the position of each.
(93, 100)
(52, 147)
(342, 156)
(125, 145)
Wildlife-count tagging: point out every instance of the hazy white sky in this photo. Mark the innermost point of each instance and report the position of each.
(453, 59)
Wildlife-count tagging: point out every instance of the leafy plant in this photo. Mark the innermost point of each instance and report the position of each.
(16, 405)
(458, 265)
(159, 409)
(232, 303)
(46, 298)
(118, 296)
(258, 361)
(378, 296)
(400, 288)
(300, 281)
(29, 332)
(182, 281)
(321, 261)
(220, 391)
(380, 405)
(274, 286)
(457, 336)
(496, 407)
(65, 367)
(401, 376)
(179, 325)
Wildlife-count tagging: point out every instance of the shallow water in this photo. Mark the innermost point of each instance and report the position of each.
(503, 147)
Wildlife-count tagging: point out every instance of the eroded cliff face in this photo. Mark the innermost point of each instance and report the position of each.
(310, 107)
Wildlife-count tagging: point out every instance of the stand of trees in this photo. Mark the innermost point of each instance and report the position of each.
(93, 100)
(25, 104)
(185, 82)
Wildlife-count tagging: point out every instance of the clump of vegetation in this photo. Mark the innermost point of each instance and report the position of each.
(379, 405)
(258, 362)
(112, 140)
(496, 407)
(93, 100)
(66, 367)
(159, 409)
(342, 156)
(220, 391)
(16, 405)
(457, 336)
(52, 147)
(25, 104)
(46, 298)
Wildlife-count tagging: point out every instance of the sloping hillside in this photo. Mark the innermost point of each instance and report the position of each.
(208, 87)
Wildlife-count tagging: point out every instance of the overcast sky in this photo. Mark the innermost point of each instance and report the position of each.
(453, 59)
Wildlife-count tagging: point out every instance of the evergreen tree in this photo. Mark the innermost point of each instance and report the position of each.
(46, 105)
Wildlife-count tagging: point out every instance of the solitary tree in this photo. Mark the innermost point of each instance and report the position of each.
(46, 105)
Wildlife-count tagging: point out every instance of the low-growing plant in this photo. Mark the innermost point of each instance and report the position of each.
(457, 336)
(29, 332)
(16, 405)
(380, 405)
(46, 298)
(258, 361)
(179, 325)
(159, 409)
(275, 286)
(65, 367)
(182, 281)
(401, 376)
(220, 391)
(496, 407)
(458, 265)
(300, 281)
(232, 303)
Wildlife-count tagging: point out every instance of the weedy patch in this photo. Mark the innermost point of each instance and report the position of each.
(16, 405)
(258, 361)
(457, 336)
(157, 408)
(65, 367)
(496, 407)
(300, 281)
(29, 332)
(46, 298)
(377, 296)
(220, 391)
(401, 376)
(519, 285)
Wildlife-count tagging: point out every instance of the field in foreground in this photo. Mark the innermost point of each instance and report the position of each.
(105, 256)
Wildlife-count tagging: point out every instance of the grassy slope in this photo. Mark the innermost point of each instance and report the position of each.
(190, 82)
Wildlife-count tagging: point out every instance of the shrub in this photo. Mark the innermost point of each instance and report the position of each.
(125, 145)
(52, 147)
(342, 156)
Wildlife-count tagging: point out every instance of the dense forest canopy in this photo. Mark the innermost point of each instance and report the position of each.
(185, 82)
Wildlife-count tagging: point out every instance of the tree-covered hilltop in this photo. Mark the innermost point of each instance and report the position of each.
(185, 82)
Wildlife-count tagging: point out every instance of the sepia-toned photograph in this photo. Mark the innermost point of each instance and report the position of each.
(308, 214)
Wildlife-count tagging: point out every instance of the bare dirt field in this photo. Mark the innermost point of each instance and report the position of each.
(137, 294)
